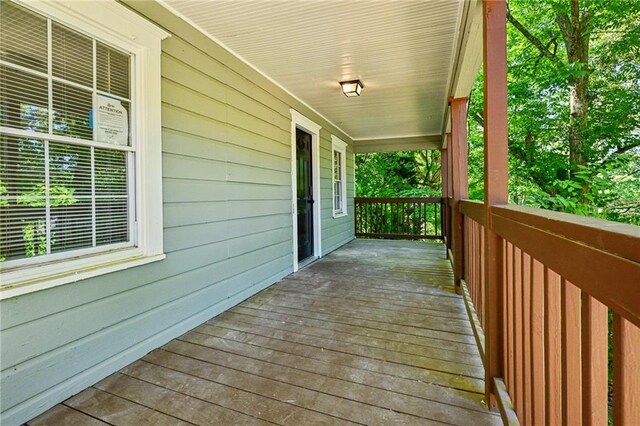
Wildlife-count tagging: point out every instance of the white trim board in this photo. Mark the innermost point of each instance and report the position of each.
(299, 121)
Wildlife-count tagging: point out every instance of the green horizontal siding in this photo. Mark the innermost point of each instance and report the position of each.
(226, 162)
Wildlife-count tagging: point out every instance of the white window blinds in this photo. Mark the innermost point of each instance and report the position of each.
(66, 154)
(337, 181)
(339, 150)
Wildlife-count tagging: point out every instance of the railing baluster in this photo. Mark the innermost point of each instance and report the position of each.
(438, 218)
(415, 218)
(476, 268)
(481, 274)
(393, 217)
(571, 355)
(626, 372)
(408, 218)
(537, 342)
(505, 312)
(472, 263)
(424, 221)
(552, 348)
(594, 361)
(477, 248)
(510, 319)
(468, 250)
(519, 368)
(475, 273)
(365, 215)
(526, 304)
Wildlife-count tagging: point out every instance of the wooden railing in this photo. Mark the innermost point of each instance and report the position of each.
(399, 218)
(561, 275)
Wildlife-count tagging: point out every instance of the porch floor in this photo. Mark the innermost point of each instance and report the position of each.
(371, 334)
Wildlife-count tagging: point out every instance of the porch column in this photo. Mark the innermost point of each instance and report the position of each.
(495, 180)
(444, 179)
(459, 183)
(449, 195)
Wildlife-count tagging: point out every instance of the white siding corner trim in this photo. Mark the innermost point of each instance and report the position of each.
(299, 121)
(116, 25)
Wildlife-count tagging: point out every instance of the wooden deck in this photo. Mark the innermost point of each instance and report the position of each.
(371, 334)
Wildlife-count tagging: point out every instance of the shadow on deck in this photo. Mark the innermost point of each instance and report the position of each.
(371, 334)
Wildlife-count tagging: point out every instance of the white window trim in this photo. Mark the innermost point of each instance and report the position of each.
(299, 121)
(340, 146)
(114, 24)
(353, 158)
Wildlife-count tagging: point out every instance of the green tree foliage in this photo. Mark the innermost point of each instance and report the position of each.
(398, 174)
(574, 114)
(581, 159)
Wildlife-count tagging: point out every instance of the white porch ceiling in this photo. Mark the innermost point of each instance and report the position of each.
(405, 53)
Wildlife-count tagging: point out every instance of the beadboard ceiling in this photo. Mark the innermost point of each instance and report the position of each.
(405, 53)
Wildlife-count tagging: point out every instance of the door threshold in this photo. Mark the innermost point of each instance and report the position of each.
(306, 262)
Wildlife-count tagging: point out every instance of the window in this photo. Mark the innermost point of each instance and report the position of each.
(74, 145)
(339, 177)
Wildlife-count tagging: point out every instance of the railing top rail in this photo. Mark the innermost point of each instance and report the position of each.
(599, 257)
(616, 238)
(620, 239)
(474, 209)
(468, 201)
(398, 199)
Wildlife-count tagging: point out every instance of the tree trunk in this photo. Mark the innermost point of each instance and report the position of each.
(578, 106)
(574, 27)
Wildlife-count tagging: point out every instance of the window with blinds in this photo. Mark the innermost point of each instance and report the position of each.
(339, 152)
(337, 181)
(66, 151)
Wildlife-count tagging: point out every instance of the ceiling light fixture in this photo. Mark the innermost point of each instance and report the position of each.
(351, 88)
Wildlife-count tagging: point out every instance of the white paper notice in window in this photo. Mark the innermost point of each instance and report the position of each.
(111, 121)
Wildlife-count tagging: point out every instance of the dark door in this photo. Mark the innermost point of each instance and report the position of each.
(304, 187)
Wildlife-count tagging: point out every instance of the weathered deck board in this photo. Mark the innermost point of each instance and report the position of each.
(65, 416)
(371, 334)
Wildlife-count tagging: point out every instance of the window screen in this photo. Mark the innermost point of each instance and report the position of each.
(65, 142)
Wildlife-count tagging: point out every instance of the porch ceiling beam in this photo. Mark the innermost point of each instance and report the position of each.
(408, 143)
(468, 56)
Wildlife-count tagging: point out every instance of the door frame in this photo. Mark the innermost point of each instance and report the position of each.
(299, 121)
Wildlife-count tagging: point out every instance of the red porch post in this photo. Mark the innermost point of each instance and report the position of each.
(459, 184)
(495, 179)
(450, 201)
(444, 178)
